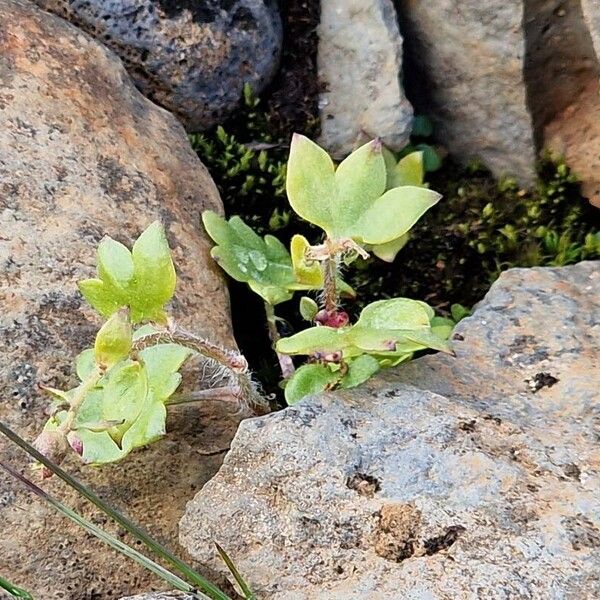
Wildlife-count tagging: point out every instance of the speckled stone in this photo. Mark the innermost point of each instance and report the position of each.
(191, 56)
(83, 154)
(468, 477)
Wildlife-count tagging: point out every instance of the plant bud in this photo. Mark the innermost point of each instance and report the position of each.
(114, 340)
(335, 319)
(54, 446)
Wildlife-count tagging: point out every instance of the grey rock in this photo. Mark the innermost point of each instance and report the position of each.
(468, 477)
(191, 56)
(360, 64)
(83, 154)
(467, 74)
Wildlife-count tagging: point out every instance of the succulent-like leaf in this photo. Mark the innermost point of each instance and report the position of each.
(142, 280)
(407, 171)
(350, 202)
(127, 408)
(307, 380)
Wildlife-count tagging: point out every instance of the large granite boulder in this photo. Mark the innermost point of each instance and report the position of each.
(83, 154)
(193, 57)
(468, 477)
(360, 67)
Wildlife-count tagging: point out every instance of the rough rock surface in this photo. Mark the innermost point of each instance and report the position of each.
(562, 72)
(468, 477)
(83, 154)
(360, 66)
(191, 56)
(466, 64)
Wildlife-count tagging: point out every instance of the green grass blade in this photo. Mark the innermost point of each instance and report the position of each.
(248, 593)
(13, 590)
(113, 542)
(213, 592)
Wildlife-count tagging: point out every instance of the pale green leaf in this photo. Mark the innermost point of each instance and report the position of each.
(308, 308)
(305, 272)
(395, 313)
(313, 339)
(393, 214)
(407, 171)
(85, 363)
(310, 182)
(389, 250)
(124, 396)
(115, 264)
(143, 280)
(155, 277)
(360, 180)
(359, 370)
(101, 296)
(308, 380)
(163, 362)
(442, 327)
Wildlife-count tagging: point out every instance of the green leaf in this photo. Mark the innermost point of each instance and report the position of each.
(113, 341)
(155, 277)
(360, 180)
(459, 312)
(308, 308)
(393, 214)
(143, 280)
(350, 202)
(399, 325)
(431, 159)
(264, 264)
(305, 272)
(359, 370)
(307, 380)
(85, 363)
(310, 182)
(163, 362)
(389, 250)
(407, 171)
(124, 397)
(442, 327)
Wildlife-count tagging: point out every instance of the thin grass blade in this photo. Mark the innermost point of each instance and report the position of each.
(213, 592)
(248, 593)
(13, 590)
(113, 542)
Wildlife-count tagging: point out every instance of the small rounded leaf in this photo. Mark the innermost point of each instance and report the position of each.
(308, 308)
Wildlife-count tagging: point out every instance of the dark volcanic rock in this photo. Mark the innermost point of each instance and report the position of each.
(191, 56)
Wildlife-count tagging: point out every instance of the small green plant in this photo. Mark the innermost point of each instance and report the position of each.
(369, 202)
(131, 375)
